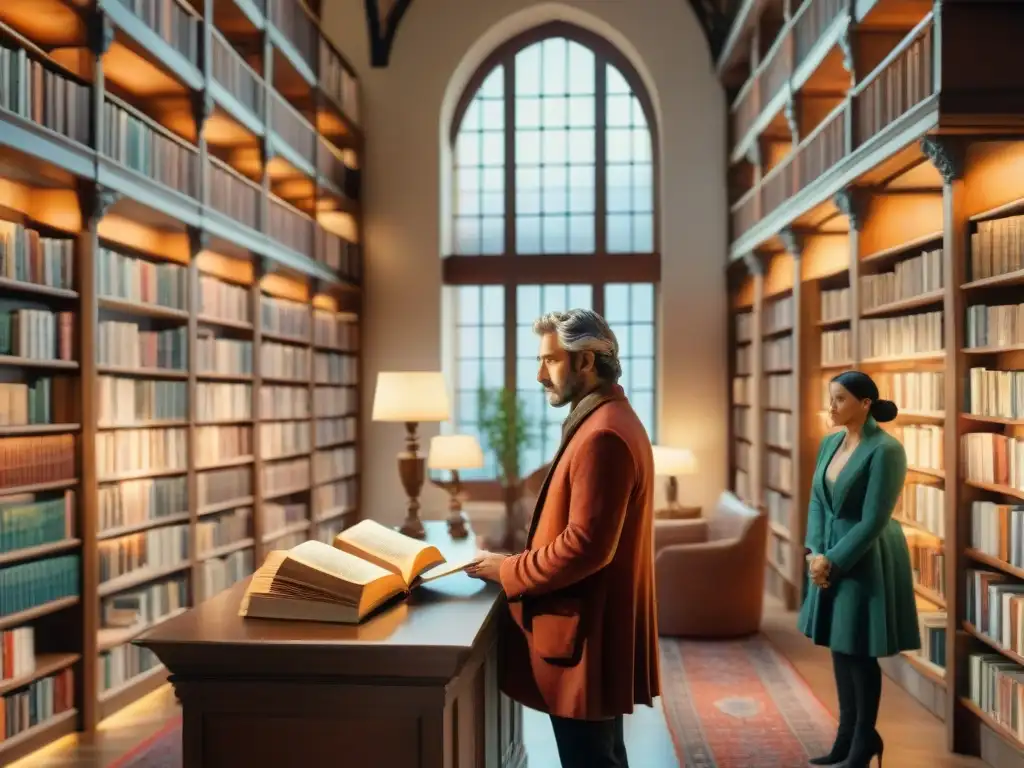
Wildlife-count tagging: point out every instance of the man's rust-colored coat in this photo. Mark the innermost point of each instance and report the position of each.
(584, 643)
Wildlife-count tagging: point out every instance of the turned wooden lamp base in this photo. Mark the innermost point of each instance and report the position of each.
(458, 527)
(411, 470)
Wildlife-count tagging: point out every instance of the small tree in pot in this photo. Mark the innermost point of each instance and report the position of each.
(506, 432)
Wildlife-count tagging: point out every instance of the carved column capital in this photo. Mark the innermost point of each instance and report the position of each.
(100, 33)
(266, 151)
(946, 154)
(753, 155)
(202, 108)
(792, 241)
(317, 285)
(790, 112)
(95, 200)
(850, 202)
(754, 264)
(198, 240)
(264, 266)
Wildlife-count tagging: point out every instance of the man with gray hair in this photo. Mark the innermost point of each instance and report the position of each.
(581, 643)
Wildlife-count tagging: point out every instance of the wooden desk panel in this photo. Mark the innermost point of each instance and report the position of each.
(414, 687)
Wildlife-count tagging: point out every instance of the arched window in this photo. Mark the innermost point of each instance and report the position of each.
(555, 172)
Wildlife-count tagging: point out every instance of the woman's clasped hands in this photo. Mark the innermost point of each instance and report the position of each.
(819, 568)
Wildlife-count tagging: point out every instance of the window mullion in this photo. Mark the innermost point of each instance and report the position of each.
(600, 155)
(510, 155)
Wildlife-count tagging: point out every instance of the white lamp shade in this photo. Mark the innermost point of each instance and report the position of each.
(672, 462)
(455, 452)
(410, 396)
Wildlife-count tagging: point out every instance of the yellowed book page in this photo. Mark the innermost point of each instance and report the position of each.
(387, 548)
(443, 569)
(333, 562)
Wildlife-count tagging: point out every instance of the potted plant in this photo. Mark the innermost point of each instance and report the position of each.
(506, 432)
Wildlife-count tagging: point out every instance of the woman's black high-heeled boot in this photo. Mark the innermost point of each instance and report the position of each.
(847, 713)
(864, 751)
(867, 743)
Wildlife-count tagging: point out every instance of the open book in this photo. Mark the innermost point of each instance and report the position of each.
(368, 565)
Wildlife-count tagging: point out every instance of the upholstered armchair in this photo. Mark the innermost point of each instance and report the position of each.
(710, 572)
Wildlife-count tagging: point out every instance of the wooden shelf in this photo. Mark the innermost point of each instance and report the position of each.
(992, 643)
(223, 506)
(19, 286)
(930, 595)
(280, 533)
(30, 614)
(994, 562)
(226, 549)
(933, 672)
(38, 736)
(109, 213)
(142, 309)
(134, 689)
(915, 302)
(21, 490)
(145, 525)
(991, 723)
(28, 362)
(111, 638)
(138, 577)
(42, 550)
(46, 664)
(38, 429)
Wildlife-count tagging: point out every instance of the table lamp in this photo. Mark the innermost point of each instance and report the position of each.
(672, 462)
(411, 398)
(452, 453)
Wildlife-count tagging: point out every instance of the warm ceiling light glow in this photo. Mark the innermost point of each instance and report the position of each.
(325, 301)
(50, 24)
(127, 69)
(340, 223)
(279, 169)
(173, 246)
(293, 189)
(995, 175)
(60, 208)
(285, 287)
(220, 130)
(225, 267)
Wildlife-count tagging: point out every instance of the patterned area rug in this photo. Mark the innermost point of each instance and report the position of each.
(161, 750)
(740, 704)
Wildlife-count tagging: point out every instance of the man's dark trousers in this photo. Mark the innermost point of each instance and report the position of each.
(590, 743)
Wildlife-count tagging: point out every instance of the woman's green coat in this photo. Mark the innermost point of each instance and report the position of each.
(869, 607)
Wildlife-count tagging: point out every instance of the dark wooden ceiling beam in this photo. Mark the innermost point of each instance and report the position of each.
(383, 18)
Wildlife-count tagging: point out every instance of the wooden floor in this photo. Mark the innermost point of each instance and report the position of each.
(913, 737)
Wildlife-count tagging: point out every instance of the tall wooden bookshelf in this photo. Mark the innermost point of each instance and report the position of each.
(918, 281)
(743, 390)
(779, 367)
(180, 278)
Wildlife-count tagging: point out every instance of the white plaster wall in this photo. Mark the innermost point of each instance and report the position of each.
(406, 109)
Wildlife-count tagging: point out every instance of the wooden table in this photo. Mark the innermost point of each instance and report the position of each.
(415, 687)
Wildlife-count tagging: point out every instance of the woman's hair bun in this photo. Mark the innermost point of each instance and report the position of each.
(884, 410)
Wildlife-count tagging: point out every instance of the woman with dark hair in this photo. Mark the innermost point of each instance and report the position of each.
(860, 603)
